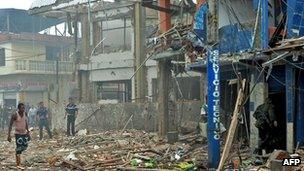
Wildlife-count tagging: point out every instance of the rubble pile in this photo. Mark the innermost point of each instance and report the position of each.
(128, 150)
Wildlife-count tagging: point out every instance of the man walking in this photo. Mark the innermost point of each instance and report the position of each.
(22, 135)
(71, 114)
(43, 115)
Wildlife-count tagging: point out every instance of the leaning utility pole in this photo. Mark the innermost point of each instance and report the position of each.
(213, 72)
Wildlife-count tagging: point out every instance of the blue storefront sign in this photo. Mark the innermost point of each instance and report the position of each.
(213, 125)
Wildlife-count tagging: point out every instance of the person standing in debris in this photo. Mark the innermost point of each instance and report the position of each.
(32, 116)
(265, 122)
(22, 134)
(42, 117)
(71, 112)
(5, 117)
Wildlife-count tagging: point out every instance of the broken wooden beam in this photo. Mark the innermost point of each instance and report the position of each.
(233, 126)
(73, 164)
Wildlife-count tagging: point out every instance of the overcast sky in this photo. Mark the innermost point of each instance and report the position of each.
(19, 4)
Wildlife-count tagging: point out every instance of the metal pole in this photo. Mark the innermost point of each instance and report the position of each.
(57, 79)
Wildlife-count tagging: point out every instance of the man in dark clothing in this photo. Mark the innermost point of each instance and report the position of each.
(42, 117)
(71, 114)
(5, 117)
(266, 123)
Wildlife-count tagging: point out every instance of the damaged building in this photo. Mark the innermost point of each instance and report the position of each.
(32, 62)
(219, 82)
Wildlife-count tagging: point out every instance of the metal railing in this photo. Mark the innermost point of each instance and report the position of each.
(44, 66)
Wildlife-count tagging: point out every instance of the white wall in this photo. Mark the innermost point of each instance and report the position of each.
(22, 51)
(114, 38)
(28, 50)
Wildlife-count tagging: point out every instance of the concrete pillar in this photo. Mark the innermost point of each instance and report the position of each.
(164, 75)
(257, 97)
(85, 34)
(84, 85)
(141, 88)
(97, 27)
(290, 106)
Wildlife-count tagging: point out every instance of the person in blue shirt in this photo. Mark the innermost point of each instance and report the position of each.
(71, 112)
(42, 117)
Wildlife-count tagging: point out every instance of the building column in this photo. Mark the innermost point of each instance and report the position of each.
(290, 106)
(300, 114)
(163, 76)
(257, 97)
(84, 85)
(141, 88)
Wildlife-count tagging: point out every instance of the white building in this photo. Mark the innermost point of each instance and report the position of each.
(28, 68)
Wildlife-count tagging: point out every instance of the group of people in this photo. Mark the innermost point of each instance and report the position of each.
(22, 117)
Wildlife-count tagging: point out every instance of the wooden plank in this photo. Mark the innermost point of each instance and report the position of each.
(233, 126)
(139, 169)
(73, 165)
(287, 47)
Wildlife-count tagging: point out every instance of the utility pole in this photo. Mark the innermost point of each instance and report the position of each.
(213, 72)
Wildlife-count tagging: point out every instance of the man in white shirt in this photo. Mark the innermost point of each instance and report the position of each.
(32, 114)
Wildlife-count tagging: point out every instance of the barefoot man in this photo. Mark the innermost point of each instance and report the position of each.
(22, 136)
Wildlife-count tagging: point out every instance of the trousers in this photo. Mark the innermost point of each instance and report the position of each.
(71, 125)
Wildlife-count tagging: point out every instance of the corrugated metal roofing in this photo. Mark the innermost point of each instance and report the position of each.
(41, 3)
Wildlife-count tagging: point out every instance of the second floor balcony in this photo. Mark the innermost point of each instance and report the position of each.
(48, 67)
(37, 67)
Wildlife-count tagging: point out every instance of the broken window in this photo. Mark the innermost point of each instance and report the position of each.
(185, 88)
(120, 91)
(2, 57)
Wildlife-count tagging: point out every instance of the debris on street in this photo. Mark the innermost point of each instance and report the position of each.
(109, 150)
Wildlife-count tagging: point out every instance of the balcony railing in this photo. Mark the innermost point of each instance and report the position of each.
(44, 66)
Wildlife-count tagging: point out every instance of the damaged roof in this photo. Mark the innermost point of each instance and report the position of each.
(21, 21)
(42, 3)
(59, 8)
